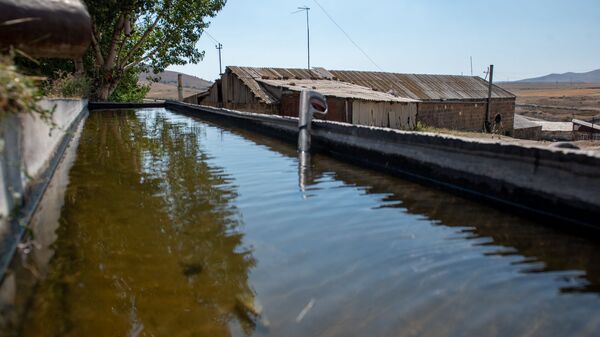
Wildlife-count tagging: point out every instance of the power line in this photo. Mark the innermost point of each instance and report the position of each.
(348, 36)
(211, 37)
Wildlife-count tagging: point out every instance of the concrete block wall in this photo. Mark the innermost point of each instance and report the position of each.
(532, 133)
(466, 116)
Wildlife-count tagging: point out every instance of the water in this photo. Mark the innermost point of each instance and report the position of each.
(175, 227)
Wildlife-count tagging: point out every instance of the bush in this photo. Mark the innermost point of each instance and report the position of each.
(19, 93)
(421, 126)
(129, 90)
(67, 85)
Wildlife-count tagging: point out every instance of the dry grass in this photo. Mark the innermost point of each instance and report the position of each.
(166, 91)
(557, 101)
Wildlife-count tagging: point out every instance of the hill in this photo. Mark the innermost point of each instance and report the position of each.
(170, 78)
(166, 87)
(589, 77)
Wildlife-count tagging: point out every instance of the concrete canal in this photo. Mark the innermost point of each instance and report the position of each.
(174, 226)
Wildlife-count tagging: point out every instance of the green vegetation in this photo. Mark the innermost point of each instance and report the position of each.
(129, 90)
(19, 93)
(67, 85)
(420, 126)
(129, 37)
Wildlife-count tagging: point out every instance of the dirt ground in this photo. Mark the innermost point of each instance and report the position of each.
(166, 91)
(557, 101)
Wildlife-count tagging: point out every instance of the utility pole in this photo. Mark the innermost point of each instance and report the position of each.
(471, 65)
(219, 48)
(305, 8)
(488, 112)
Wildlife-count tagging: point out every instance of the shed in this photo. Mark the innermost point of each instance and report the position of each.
(583, 130)
(446, 101)
(347, 102)
(368, 98)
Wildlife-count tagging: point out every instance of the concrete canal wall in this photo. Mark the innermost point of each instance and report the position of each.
(30, 150)
(551, 184)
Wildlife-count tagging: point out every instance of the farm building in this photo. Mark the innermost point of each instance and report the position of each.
(445, 101)
(583, 130)
(366, 98)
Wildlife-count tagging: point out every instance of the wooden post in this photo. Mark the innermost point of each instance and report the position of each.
(488, 111)
(180, 86)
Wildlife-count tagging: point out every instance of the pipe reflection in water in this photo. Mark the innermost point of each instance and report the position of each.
(304, 171)
(172, 226)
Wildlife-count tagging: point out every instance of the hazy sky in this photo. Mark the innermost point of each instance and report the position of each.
(523, 38)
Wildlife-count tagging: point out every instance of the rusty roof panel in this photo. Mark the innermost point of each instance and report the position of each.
(424, 87)
(340, 89)
(250, 75)
(409, 86)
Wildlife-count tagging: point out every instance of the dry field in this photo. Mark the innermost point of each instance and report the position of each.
(557, 101)
(167, 91)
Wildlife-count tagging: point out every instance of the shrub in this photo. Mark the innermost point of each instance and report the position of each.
(67, 85)
(19, 93)
(129, 90)
(421, 126)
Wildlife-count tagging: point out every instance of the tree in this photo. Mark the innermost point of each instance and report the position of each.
(130, 36)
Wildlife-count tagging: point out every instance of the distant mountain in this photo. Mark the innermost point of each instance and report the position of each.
(589, 77)
(170, 78)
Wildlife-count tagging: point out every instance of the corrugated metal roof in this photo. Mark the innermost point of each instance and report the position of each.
(594, 126)
(423, 87)
(250, 75)
(408, 86)
(337, 89)
(282, 73)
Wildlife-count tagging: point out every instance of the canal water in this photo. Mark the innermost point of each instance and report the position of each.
(172, 226)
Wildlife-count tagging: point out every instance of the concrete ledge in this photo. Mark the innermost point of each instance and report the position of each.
(557, 185)
(31, 151)
(114, 106)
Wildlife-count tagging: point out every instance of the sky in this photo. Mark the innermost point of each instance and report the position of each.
(522, 38)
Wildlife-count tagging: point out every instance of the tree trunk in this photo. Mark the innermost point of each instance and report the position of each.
(79, 69)
(104, 90)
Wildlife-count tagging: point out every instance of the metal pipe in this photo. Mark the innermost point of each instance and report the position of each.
(488, 111)
(45, 28)
(311, 102)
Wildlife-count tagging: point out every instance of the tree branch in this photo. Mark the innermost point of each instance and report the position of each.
(147, 56)
(148, 31)
(96, 46)
(110, 58)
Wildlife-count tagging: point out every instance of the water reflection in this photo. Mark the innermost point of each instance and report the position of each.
(539, 248)
(162, 211)
(150, 240)
(305, 176)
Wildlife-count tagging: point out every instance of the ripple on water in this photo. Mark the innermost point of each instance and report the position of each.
(204, 230)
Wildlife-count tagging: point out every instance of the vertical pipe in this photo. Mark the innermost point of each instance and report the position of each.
(304, 122)
(488, 111)
(180, 87)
